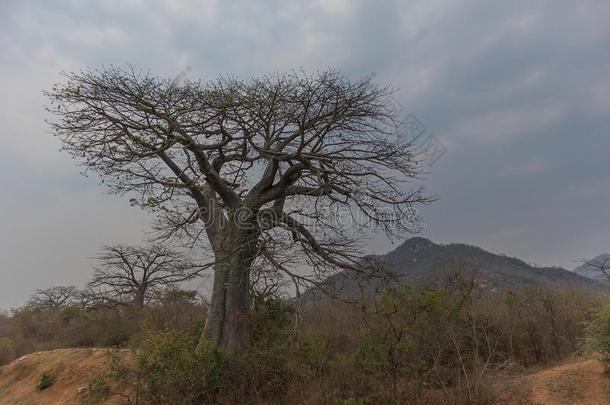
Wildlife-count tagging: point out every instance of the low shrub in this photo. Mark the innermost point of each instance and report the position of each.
(598, 335)
(447, 339)
(45, 382)
(8, 349)
(171, 371)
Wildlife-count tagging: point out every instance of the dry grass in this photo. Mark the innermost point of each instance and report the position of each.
(436, 345)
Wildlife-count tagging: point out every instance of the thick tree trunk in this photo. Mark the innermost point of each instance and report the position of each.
(227, 323)
(139, 299)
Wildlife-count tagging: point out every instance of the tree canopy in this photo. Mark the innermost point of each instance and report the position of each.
(282, 174)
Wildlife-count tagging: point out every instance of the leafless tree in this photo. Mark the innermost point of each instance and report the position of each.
(54, 297)
(602, 265)
(131, 274)
(285, 173)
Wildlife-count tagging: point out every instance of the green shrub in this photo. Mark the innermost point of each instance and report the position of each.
(314, 354)
(45, 382)
(96, 392)
(7, 349)
(171, 371)
(270, 321)
(598, 335)
(262, 372)
(371, 357)
(119, 372)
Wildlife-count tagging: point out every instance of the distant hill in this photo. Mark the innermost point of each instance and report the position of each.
(590, 271)
(419, 260)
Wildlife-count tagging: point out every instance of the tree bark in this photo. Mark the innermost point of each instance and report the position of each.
(227, 322)
(139, 298)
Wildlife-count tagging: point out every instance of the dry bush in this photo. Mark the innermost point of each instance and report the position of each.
(7, 349)
(441, 343)
(35, 328)
(450, 338)
(598, 335)
(537, 325)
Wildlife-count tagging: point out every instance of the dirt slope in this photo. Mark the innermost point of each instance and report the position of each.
(71, 369)
(580, 382)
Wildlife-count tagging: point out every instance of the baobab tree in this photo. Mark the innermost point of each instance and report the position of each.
(285, 173)
(130, 274)
(54, 297)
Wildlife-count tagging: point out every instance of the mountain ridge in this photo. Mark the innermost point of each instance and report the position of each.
(419, 260)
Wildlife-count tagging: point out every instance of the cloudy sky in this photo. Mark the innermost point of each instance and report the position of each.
(517, 92)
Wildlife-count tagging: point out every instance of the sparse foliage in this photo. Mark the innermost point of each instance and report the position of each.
(598, 335)
(602, 265)
(171, 371)
(446, 340)
(45, 382)
(282, 173)
(131, 274)
(54, 297)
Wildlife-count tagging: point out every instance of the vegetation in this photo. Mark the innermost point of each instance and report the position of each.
(33, 328)
(45, 382)
(436, 343)
(131, 274)
(257, 169)
(7, 349)
(598, 336)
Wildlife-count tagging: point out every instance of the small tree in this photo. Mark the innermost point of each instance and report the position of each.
(54, 297)
(601, 264)
(131, 274)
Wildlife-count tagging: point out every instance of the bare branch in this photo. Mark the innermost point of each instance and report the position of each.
(131, 274)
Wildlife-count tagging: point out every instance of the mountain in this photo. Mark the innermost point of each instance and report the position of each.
(590, 270)
(418, 260)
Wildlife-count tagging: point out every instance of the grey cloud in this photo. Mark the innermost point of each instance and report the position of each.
(517, 91)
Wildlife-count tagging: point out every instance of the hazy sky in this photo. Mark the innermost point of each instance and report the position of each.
(518, 92)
